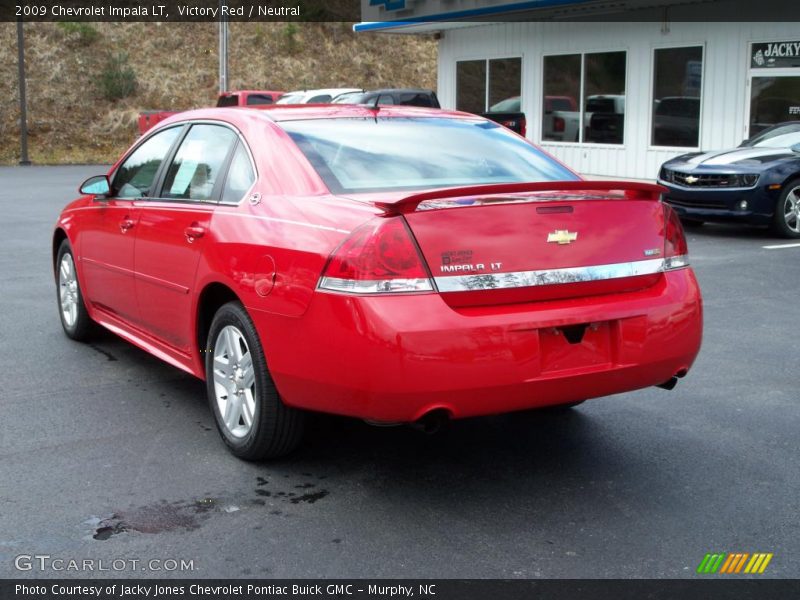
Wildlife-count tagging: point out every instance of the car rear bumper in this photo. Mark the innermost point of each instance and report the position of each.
(394, 359)
(722, 205)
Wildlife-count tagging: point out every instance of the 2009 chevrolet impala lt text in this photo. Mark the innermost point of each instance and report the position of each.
(393, 264)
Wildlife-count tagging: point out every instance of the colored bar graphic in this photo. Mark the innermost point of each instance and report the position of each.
(711, 563)
(734, 562)
(727, 566)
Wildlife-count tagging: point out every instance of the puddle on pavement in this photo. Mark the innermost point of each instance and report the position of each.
(189, 515)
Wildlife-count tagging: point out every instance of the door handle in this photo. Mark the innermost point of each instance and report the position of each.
(193, 232)
(126, 224)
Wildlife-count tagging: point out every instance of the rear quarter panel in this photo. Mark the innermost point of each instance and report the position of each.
(271, 252)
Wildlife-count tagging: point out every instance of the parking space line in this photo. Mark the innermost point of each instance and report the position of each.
(781, 246)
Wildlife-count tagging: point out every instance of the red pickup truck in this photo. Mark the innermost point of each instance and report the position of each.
(149, 118)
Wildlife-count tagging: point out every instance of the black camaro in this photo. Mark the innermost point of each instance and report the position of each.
(758, 182)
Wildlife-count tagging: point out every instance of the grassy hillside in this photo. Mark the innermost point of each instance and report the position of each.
(71, 120)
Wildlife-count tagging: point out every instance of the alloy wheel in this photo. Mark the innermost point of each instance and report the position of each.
(234, 381)
(68, 290)
(791, 210)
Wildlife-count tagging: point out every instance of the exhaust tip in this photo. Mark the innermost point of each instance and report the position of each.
(669, 384)
(431, 422)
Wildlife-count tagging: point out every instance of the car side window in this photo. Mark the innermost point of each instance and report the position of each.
(321, 99)
(258, 99)
(240, 176)
(135, 177)
(193, 173)
(386, 99)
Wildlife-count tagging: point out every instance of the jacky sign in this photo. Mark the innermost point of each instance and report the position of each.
(775, 54)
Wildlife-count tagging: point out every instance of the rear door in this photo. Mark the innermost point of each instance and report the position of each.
(107, 249)
(173, 228)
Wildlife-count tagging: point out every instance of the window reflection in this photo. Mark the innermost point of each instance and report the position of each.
(135, 177)
(773, 100)
(604, 92)
(353, 155)
(677, 84)
(562, 90)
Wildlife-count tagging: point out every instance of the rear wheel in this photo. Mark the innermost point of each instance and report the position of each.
(250, 415)
(786, 221)
(74, 317)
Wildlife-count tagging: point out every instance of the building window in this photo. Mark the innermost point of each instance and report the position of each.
(677, 85)
(471, 85)
(492, 85)
(595, 82)
(562, 92)
(773, 100)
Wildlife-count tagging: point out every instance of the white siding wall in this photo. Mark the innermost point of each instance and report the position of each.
(725, 79)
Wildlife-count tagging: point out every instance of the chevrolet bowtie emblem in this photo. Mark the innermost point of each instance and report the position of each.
(562, 236)
(691, 179)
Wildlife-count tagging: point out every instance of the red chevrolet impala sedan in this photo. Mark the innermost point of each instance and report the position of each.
(396, 264)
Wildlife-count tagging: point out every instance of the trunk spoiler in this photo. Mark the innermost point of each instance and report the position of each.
(631, 190)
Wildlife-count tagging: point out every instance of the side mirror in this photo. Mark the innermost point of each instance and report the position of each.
(97, 186)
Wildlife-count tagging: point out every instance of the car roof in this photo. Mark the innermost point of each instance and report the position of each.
(299, 112)
(399, 90)
(233, 92)
(317, 91)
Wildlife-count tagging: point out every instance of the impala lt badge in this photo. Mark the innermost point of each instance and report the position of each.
(561, 237)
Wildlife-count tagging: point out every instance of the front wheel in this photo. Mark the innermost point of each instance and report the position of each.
(786, 222)
(75, 318)
(250, 415)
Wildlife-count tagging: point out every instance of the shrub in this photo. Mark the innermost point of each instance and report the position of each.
(289, 34)
(118, 79)
(85, 33)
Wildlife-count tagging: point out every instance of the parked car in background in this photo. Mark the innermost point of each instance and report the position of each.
(508, 113)
(248, 98)
(150, 118)
(320, 96)
(757, 183)
(391, 96)
(676, 121)
(561, 119)
(604, 119)
(771, 131)
(396, 265)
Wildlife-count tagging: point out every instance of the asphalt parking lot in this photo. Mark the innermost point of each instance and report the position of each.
(103, 437)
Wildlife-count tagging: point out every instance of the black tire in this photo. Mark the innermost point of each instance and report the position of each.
(558, 408)
(82, 328)
(276, 429)
(779, 225)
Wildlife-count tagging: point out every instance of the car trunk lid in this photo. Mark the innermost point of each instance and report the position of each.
(527, 242)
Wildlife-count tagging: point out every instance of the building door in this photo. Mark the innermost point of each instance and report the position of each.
(774, 84)
(773, 99)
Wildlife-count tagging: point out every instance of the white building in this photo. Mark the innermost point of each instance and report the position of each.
(610, 98)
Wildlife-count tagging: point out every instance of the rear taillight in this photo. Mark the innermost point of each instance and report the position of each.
(379, 257)
(676, 251)
(558, 125)
(523, 126)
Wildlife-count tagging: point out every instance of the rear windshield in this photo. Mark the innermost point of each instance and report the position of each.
(290, 98)
(370, 155)
(229, 100)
